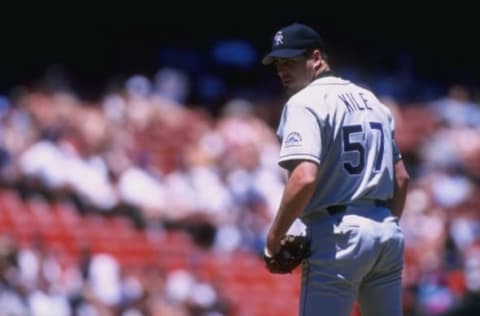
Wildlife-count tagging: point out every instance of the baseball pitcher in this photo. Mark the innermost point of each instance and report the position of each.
(347, 183)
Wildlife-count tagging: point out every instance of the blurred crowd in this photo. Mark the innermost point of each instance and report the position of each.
(38, 280)
(145, 156)
(142, 154)
(441, 146)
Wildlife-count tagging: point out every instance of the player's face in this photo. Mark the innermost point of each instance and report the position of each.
(295, 73)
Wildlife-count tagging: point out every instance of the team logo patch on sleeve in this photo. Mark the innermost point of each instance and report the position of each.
(293, 139)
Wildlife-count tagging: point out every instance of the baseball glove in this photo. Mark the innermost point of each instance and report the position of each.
(292, 251)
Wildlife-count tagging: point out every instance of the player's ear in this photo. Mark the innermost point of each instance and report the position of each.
(317, 57)
(322, 55)
(317, 53)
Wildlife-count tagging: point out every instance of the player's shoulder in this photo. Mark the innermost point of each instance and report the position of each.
(373, 96)
(302, 98)
(317, 90)
(329, 84)
(364, 89)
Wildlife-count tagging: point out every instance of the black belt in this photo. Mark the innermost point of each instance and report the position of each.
(334, 209)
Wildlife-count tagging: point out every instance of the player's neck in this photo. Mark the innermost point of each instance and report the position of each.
(323, 70)
(323, 73)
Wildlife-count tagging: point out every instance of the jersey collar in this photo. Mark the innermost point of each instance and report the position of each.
(328, 73)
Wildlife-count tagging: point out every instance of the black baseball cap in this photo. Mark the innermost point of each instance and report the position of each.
(293, 40)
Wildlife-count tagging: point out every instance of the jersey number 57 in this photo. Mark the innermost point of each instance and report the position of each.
(358, 147)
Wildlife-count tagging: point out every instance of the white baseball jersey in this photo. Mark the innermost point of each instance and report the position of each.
(346, 130)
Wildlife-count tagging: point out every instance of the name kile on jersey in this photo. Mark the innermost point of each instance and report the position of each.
(354, 102)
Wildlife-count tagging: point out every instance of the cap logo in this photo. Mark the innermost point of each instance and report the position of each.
(278, 38)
